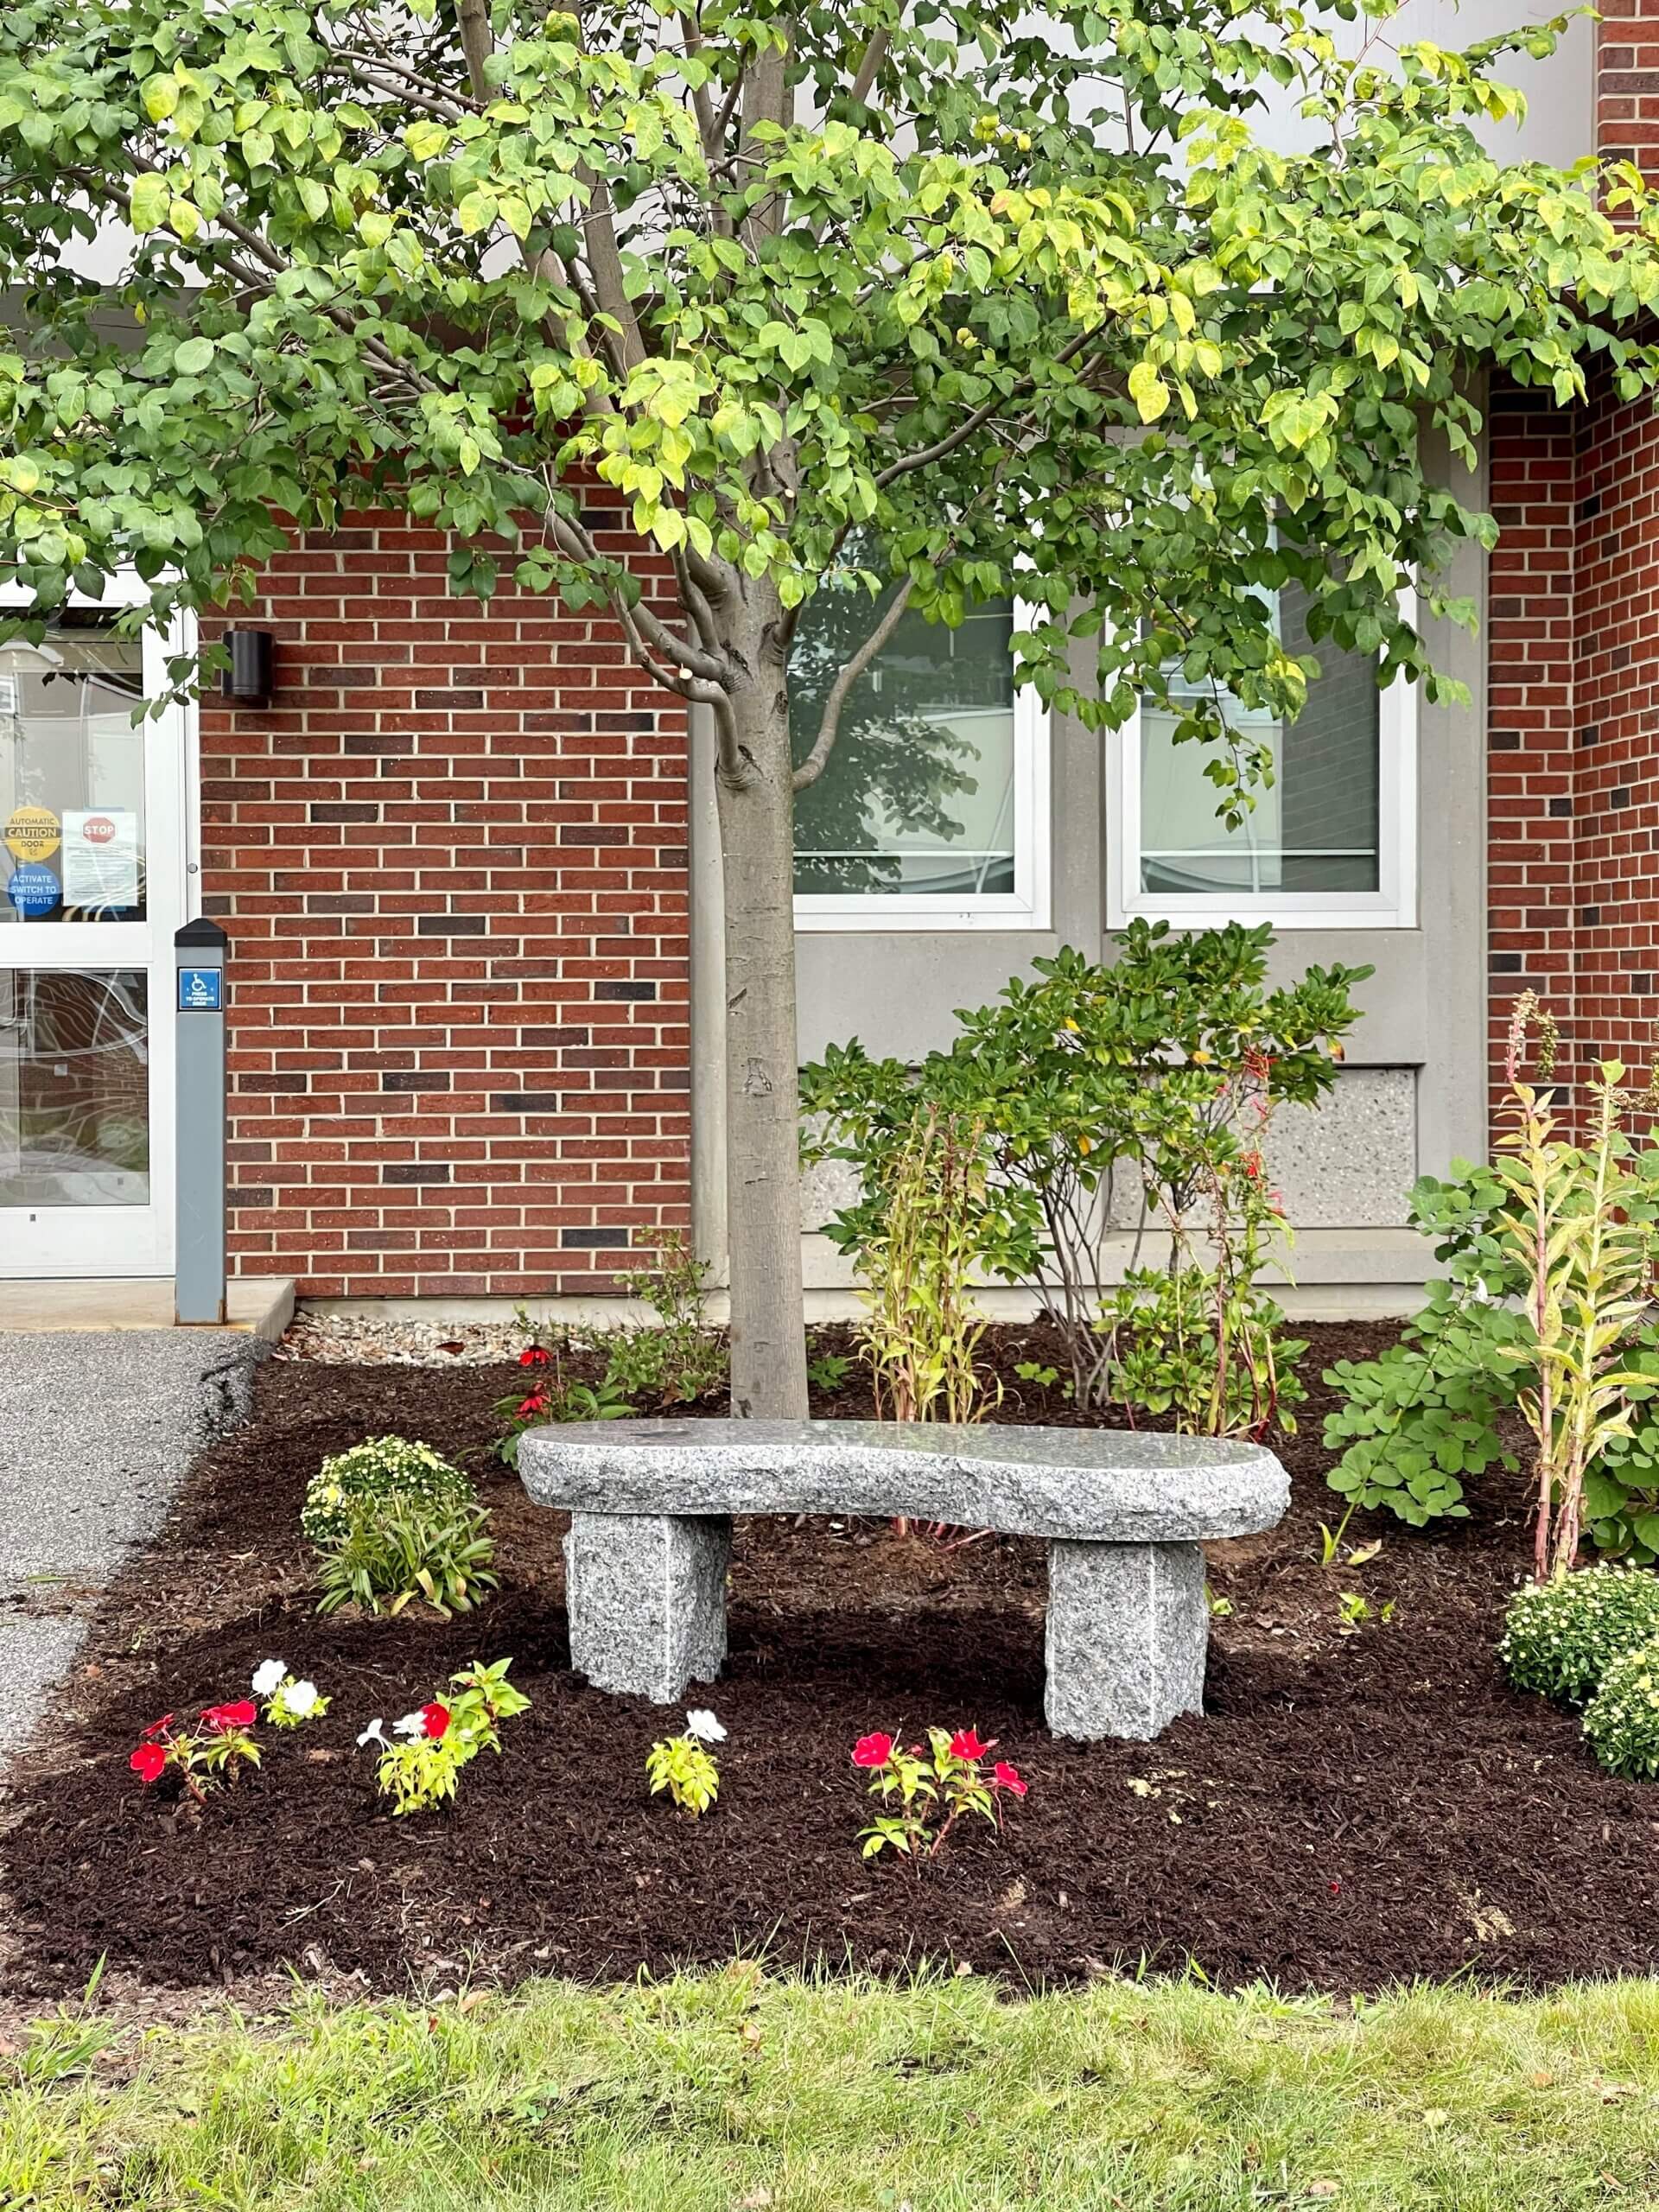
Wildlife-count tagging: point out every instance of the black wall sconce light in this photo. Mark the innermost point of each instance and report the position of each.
(246, 682)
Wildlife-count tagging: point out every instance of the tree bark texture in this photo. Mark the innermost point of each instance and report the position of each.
(763, 1176)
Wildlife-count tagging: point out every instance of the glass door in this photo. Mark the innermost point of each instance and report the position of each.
(92, 889)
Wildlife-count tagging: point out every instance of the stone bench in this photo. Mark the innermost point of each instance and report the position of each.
(651, 1504)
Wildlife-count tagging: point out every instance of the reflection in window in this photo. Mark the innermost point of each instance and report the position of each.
(1317, 829)
(74, 1089)
(71, 779)
(918, 795)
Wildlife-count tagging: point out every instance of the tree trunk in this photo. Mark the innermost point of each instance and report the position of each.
(763, 1172)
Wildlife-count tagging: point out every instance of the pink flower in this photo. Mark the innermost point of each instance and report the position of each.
(1004, 1776)
(533, 1356)
(147, 1762)
(157, 1727)
(536, 1404)
(241, 1715)
(873, 1750)
(434, 1717)
(965, 1744)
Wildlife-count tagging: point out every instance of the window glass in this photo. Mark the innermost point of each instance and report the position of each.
(918, 795)
(1317, 829)
(75, 1087)
(71, 779)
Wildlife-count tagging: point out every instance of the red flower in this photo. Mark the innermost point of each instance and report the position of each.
(147, 1762)
(157, 1726)
(536, 1404)
(241, 1715)
(873, 1750)
(965, 1744)
(1005, 1776)
(533, 1356)
(435, 1719)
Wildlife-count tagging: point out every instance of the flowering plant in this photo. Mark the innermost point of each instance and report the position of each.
(915, 1786)
(423, 1769)
(289, 1703)
(684, 1766)
(221, 1743)
(384, 1471)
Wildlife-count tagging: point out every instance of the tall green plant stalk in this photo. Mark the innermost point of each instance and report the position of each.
(1587, 1270)
(922, 1330)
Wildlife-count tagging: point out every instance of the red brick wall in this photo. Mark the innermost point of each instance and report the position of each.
(451, 858)
(1574, 669)
(1531, 717)
(1616, 797)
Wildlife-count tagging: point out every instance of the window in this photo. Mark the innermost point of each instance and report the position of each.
(932, 809)
(1330, 846)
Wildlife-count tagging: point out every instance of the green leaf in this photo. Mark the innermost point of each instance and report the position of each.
(1148, 391)
(193, 356)
(147, 202)
(160, 96)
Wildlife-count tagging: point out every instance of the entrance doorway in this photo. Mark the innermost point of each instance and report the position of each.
(93, 886)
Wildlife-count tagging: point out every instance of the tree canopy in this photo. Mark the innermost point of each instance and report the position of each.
(1009, 292)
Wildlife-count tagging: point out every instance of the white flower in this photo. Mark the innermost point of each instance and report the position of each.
(374, 1733)
(412, 1724)
(301, 1698)
(267, 1675)
(702, 1723)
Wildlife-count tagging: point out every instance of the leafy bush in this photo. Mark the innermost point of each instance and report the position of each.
(1561, 1638)
(1425, 1412)
(391, 1554)
(1197, 1346)
(1431, 1408)
(386, 1470)
(683, 1358)
(1158, 1070)
(1622, 1720)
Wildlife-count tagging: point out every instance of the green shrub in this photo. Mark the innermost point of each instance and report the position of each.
(1622, 1720)
(392, 1554)
(683, 1358)
(1425, 1412)
(1165, 1334)
(1164, 1062)
(384, 1470)
(1562, 1638)
(1429, 1410)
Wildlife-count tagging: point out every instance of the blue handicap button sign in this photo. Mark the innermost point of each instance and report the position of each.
(198, 990)
(33, 889)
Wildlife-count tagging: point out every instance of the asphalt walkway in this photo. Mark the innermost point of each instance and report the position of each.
(97, 1429)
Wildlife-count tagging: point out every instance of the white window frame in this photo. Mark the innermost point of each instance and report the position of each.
(1027, 907)
(1392, 905)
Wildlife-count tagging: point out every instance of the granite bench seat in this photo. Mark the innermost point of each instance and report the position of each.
(1123, 1516)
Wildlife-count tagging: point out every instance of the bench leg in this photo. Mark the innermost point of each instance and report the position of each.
(1127, 1630)
(646, 1595)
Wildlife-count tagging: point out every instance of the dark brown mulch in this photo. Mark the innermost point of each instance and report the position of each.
(1352, 1810)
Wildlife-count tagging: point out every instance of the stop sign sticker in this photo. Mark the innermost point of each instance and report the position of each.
(100, 859)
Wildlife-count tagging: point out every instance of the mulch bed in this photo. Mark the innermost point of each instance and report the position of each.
(1353, 1810)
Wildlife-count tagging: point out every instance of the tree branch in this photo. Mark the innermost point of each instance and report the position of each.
(813, 767)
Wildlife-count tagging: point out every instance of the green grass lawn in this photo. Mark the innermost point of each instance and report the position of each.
(733, 2091)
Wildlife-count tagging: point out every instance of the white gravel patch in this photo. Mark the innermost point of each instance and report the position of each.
(352, 1340)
